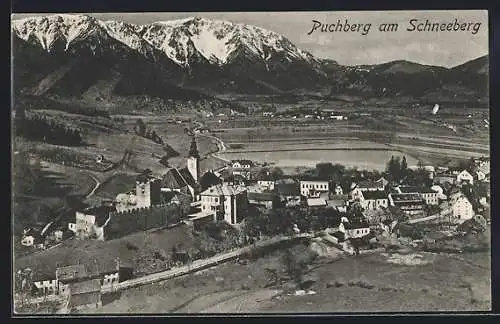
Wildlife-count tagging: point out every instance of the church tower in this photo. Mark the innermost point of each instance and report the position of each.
(193, 161)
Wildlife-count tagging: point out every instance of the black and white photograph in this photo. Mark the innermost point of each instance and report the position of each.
(250, 162)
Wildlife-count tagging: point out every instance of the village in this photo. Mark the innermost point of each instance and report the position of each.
(352, 210)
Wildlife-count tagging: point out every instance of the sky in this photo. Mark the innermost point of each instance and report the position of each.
(443, 48)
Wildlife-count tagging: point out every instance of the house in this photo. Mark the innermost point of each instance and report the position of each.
(266, 181)
(265, 199)
(289, 192)
(267, 184)
(430, 196)
(354, 228)
(225, 202)
(312, 187)
(371, 185)
(373, 200)
(91, 222)
(461, 207)
(85, 294)
(464, 177)
(383, 181)
(338, 190)
(242, 167)
(316, 202)
(337, 202)
(409, 203)
(242, 164)
(443, 178)
(483, 172)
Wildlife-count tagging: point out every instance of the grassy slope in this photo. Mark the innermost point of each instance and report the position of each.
(233, 287)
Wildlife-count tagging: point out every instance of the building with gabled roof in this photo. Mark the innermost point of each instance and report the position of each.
(369, 185)
(354, 228)
(312, 187)
(409, 203)
(373, 199)
(85, 294)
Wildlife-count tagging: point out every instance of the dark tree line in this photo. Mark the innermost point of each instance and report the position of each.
(282, 220)
(142, 130)
(39, 128)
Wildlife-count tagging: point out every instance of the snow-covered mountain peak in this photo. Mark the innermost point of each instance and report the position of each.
(185, 41)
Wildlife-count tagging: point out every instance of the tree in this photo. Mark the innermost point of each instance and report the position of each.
(404, 167)
(140, 127)
(394, 169)
(294, 267)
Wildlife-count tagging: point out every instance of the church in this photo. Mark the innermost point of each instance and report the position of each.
(185, 180)
(151, 191)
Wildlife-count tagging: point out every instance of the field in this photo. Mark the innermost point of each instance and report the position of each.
(303, 142)
(366, 283)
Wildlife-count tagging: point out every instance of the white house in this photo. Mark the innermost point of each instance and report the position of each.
(465, 177)
(316, 202)
(461, 207)
(373, 200)
(430, 196)
(338, 190)
(242, 164)
(230, 201)
(28, 240)
(313, 188)
(354, 229)
(266, 184)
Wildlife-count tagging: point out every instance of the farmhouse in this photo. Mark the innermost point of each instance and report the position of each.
(354, 228)
(464, 177)
(225, 202)
(461, 207)
(311, 187)
(409, 203)
(373, 200)
(242, 164)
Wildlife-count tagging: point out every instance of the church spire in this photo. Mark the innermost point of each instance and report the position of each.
(193, 150)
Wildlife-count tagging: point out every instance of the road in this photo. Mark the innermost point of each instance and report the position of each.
(97, 185)
(198, 265)
(221, 147)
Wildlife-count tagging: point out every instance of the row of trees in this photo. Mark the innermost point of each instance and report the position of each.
(281, 221)
(39, 128)
(142, 130)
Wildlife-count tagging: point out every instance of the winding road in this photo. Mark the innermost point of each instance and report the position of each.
(221, 147)
(97, 185)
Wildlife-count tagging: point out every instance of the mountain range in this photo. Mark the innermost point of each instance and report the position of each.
(75, 56)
